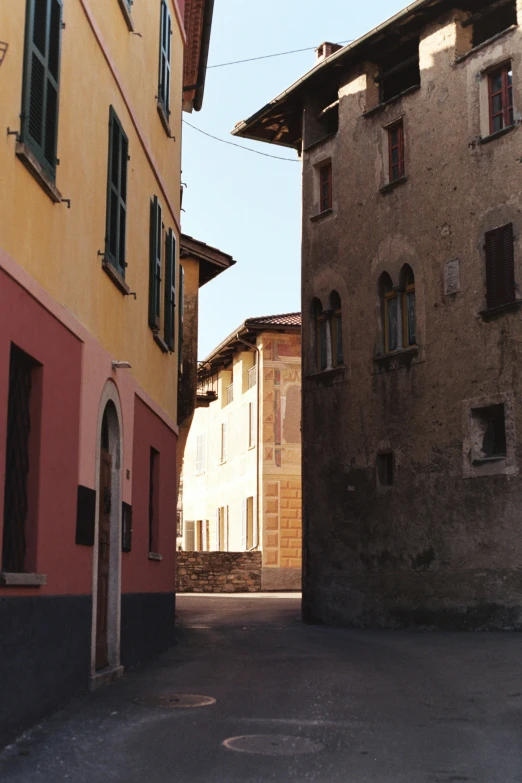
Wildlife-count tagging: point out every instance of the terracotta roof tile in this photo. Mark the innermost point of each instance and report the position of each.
(284, 319)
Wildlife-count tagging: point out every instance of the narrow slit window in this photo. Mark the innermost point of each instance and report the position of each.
(409, 336)
(396, 151)
(325, 185)
(501, 99)
(385, 469)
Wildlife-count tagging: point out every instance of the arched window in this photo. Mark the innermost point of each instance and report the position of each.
(336, 329)
(408, 306)
(390, 313)
(320, 335)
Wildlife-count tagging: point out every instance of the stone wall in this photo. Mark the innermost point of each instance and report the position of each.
(218, 572)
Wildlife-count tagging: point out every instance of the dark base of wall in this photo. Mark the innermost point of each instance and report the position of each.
(147, 626)
(281, 579)
(45, 648)
(467, 602)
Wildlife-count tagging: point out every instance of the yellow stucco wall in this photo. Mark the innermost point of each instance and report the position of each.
(228, 484)
(59, 246)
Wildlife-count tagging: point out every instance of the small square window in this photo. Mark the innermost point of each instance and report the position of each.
(385, 469)
(488, 434)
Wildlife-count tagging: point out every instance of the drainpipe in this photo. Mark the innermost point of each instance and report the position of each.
(258, 428)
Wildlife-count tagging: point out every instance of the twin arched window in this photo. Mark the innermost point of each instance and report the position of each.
(328, 333)
(398, 310)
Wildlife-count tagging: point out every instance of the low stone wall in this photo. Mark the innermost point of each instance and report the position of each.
(280, 579)
(218, 572)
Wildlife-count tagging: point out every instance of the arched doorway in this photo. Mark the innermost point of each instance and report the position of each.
(107, 550)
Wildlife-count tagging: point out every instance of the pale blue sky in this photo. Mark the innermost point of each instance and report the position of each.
(245, 204)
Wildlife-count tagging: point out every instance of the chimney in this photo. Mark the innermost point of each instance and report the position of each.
(325, 50)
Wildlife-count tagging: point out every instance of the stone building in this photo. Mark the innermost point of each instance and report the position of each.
(242, 467)
(412, 338)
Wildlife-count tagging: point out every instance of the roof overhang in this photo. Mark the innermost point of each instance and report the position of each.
(212, 262)
(280, 121)
(198, 26)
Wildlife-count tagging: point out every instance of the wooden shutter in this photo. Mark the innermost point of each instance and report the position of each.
(500, 266)
(115, 238)
(244, 518)
(170, 289)
(41, 88)
(155, 265)
(164, 64)
(181, 311)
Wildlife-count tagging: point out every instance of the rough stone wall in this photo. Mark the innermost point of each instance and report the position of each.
(218, 572)
(442, 546)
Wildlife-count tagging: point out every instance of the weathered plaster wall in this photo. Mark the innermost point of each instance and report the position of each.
(442, 546)
(219, 572)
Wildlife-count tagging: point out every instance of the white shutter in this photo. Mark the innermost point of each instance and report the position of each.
(244, 515)
(254, 521)
(217, 529)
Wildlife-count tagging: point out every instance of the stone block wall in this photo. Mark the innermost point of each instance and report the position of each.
(218, 572)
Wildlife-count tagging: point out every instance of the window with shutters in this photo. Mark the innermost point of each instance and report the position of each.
(170, 290)
(155, 263)
(116, 225)
(200, 455)
(41, 82)
(164, 60)
(500, 267)
(396, 151)
(500, 84)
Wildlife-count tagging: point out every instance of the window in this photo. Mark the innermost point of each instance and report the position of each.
(320, 338)
(398, 311)
(230, 393)
(325, 187)
(223, 452)
(492, 20)
(116, 195)
(170, 290)
(500, 266)
(41, 83)
(501, 99)
(200, 455)
(155, 244)
(399, 71)
(222, 529)
(164, 62)
(190, 535)
(21, 464)
(488, 434)
(250, 523)
(336, 329)
(252, 377)
(251, 425)
(385, 469)
(396, 151)
(153, 501)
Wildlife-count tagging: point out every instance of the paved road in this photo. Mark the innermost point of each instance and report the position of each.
(367, 707)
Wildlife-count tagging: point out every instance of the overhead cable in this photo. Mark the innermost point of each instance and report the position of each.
(267, 56)
(240, 146)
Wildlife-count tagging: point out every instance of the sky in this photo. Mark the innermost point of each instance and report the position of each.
(246, 204)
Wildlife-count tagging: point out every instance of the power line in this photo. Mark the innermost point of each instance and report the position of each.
(240, 146)
(267, 56)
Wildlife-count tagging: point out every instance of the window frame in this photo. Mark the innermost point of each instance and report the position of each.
(399, 127)
(325, 201)
(506, 112)
(31, 51)
(165, 52)
(408, 340)
(117, 260)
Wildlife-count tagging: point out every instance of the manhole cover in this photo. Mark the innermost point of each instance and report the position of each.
(175, 700)
(273, 744)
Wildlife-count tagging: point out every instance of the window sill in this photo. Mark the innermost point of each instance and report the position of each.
(321, 215)
(222, 462)
(159, 341)
(155, 556)
(328, 373)
(497, 134)
(164, 119)
(381, 106)
(485, 43)
(488, 460)
(505, 308)
(396, 359)
(127, 15)
(24, 154)
(22, 580)
(319, 141)
(392, 185)
(115, 276)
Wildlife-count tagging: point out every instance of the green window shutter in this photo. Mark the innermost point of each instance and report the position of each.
(115, 236)
(41, 88)
(164, 60)
(170, 288)
(155, 265)
(180, 318)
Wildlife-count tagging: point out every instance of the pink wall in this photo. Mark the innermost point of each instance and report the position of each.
(139, 574)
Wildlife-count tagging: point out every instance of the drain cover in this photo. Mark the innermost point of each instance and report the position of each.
(175, 700)
(273, 744)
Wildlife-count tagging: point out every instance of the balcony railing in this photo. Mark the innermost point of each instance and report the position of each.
(252, 377)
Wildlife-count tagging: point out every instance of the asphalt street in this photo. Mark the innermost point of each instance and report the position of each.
(292, 703)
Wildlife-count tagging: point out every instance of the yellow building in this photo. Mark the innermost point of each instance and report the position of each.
(242, 468)
(91, 333)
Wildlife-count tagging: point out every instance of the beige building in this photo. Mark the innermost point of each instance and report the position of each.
(242, 467)
(410, 139)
